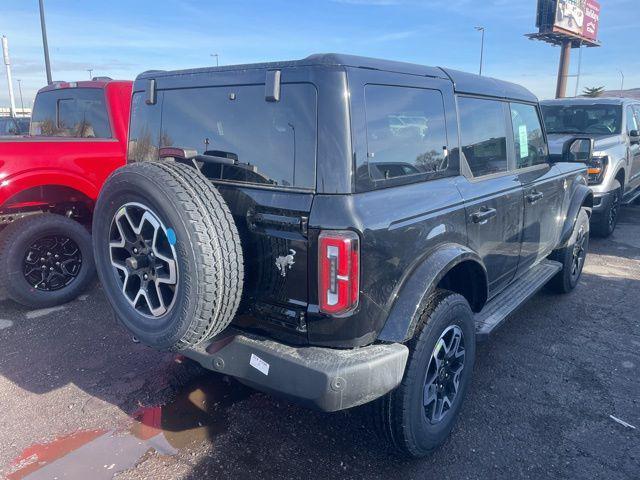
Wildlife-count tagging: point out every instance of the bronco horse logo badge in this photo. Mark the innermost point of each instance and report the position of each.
(285, 262)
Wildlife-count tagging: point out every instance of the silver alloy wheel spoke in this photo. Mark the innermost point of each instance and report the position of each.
(442, 378)
(144, 259)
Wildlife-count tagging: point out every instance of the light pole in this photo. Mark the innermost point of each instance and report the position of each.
(215, 55)
(45, 45)
(622, 84)
(481, 29)
(90, 70)
(20, 90)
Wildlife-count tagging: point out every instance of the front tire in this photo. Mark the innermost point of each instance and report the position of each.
(419, 415)
(572, 256)
(45, 260)
(606, 223)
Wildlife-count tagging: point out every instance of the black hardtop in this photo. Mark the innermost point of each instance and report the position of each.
(466, 83)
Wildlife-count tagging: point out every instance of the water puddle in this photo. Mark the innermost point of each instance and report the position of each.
(196, 414)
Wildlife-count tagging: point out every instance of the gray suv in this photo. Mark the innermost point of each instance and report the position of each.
(614, 171)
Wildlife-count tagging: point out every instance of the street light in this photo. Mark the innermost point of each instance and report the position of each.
(215, 55)
(481, 29)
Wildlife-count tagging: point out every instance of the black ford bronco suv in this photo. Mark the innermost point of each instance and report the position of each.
(338, 230)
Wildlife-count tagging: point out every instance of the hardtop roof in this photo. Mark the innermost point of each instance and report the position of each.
(463, 82)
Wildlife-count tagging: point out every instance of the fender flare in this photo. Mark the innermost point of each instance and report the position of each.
(582, 196)
(25, 181)
(416, 290)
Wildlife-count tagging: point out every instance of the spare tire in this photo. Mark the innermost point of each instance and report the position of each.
(168, 254)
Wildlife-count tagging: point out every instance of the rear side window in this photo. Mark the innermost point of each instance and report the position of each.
(483, 135)
(406, 132)
(531, 147)
(71, 112)
(271, 143)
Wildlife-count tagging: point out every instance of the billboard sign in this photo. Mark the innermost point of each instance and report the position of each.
(578, 17)
(591, 20)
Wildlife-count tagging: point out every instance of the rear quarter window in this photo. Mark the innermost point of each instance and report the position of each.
(272, 143)
(406, 135)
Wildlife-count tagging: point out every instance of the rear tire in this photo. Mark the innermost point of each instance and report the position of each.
(177, 280)
(406, 417)
(45, 260)
(572, 256)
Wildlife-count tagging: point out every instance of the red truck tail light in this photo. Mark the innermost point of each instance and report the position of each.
(339, 272)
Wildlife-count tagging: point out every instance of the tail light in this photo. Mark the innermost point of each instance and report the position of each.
(339, 272)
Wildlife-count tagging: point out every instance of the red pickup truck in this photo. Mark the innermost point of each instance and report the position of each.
(49, 182)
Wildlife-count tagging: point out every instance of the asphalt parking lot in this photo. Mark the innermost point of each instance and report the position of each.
(556, 394)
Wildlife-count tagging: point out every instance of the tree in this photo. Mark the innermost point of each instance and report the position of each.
(593, 91)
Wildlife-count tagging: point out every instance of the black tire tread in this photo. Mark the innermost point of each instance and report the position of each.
(387, 415)
(10, 235)
(220, 282)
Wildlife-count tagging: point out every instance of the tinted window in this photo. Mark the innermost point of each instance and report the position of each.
(406, 132)
(10, 126)
(72, 112)
(531, 147)
(144, 129)
(483, 134)
(583, 119)
(270, 142)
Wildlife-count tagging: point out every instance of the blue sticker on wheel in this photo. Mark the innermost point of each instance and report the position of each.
(171, 236)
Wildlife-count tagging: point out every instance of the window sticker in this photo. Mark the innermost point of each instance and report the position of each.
(524, 142)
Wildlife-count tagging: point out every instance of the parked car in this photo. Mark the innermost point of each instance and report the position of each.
(49, 181)
(265, 228)
(614, 171)
(12, 126)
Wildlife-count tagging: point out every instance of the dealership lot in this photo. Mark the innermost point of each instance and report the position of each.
(556, 393)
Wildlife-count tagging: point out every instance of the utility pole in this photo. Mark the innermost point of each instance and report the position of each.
(481, 29)
(20, 90)
(45, 45)
(215, 55)
(90, 70)
(563, 68)
(7, 64)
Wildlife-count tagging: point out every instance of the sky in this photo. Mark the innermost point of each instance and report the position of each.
(121, 38)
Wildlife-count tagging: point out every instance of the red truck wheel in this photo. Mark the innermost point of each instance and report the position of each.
(45, 260)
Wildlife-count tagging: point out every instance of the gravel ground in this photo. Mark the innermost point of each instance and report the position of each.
(556, 394)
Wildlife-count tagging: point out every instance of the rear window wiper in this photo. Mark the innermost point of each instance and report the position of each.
(192, 157)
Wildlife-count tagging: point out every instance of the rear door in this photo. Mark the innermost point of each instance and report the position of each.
(491, 191)
(543, 185)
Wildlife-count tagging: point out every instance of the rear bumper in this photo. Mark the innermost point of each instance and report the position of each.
(321, 378)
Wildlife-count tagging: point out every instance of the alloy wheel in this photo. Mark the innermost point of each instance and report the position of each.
(442, 381)
(52, 263)
(143, 255)
(579, 253)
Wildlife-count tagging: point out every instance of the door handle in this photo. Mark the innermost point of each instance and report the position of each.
(484, 215)
(535, 197)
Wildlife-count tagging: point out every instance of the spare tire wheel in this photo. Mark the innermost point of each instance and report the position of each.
(168, 254)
